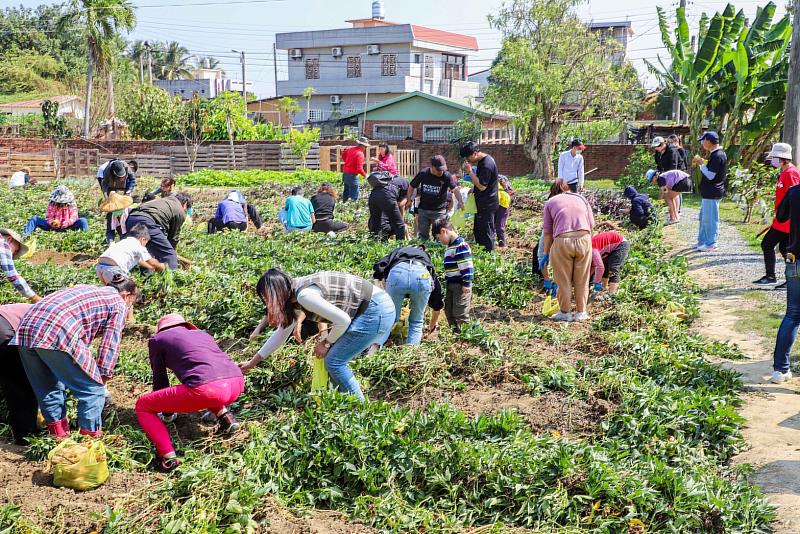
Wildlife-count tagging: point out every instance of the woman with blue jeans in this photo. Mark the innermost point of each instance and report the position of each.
(359, 314)
(409, 272)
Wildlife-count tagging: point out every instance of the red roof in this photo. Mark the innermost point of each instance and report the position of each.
(430, 35)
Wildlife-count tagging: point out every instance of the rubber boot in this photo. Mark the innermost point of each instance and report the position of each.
(91, 433)
(59, 429)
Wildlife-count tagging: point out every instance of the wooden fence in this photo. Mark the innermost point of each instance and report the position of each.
(42, 165)
(330, 159)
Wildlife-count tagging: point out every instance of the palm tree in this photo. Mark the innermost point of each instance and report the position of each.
(100, 21)
(208, 62)
(138, 54)
(174, 62)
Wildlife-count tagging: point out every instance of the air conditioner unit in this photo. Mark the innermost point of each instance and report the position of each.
(336, 51)
(295, 53)
(373, 49)
(336, 99)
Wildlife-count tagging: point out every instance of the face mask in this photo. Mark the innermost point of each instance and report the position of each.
(775, 162)
(578, 152)
(189, 211)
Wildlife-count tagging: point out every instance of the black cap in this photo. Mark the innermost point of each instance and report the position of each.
(577, 143)
(118, 168)
(439, 163)
(468, 149)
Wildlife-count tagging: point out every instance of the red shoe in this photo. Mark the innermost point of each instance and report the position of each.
(59, 429)
(166, 465)
(91, 433)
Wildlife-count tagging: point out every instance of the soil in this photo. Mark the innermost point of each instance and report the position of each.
(551, 412)
(62, 258)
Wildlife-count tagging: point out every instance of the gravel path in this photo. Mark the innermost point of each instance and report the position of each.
(732, 267)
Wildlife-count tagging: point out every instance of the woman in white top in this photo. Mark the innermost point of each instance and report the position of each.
(358, 312)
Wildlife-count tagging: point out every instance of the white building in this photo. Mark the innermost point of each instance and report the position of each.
(68, 106)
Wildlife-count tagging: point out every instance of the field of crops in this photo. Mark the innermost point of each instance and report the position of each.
(517, 422)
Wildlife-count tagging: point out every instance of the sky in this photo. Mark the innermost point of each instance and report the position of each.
(216, 27)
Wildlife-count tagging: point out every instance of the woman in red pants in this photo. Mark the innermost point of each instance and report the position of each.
(209, 381)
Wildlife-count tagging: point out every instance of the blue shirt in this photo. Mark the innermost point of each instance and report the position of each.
(230, 211)
(298, 212)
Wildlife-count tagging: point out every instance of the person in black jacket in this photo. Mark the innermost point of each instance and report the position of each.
(640, 207)
(675, 141)
(386, 204)
(409, 272)
(666, 155)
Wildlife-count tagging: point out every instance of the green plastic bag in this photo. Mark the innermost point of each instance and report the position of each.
(81, 466)
(319, 375)
(459, 218)
(471, 206)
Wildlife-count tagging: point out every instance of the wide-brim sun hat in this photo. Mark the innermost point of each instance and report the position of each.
(62, 195)
(173, 319)
(363, 141)
(115, 202)
(657, 141)
(23, 248)
(781, 150)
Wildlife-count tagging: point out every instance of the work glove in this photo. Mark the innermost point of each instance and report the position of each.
(548, 285)
(543, 261)
(598, 287)
(554, 291)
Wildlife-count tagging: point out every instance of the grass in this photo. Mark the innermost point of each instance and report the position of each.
(19, 97)
(764, 318)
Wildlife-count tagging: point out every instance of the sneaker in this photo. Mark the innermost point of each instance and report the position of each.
(781, 286)
(706, 248)
(581, 316)
(765, 281)
(166, 465)
(670, 223)
(208, 417)
(779, 378)
(228, 423)
(561, 316)
(168, 417)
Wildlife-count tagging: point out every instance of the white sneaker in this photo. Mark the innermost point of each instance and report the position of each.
(701, 248)
(561, 316)
(779, 378)
(582, 316)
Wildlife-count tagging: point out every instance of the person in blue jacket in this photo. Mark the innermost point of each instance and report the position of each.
(640, 207)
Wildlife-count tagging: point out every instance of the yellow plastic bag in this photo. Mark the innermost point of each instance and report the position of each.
(80, 466)
(676, 311)
(504, 199)
(319, 375)
(459, 218)
(470, 206)
(550, 306)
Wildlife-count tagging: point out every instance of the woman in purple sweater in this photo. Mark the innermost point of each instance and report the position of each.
(209, 381)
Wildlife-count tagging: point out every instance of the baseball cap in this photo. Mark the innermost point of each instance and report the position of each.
(657, 141)
(577, 143)
(439, 162)
(710, 136)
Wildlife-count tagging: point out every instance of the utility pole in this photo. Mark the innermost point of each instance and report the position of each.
(141, 69)
(676, 101)
(149, 61)
(791, 127)
(244, 79)
(275, 65)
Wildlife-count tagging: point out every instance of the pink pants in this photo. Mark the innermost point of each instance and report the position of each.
(213, 396)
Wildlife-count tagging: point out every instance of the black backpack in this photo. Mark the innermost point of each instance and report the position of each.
(379, 179)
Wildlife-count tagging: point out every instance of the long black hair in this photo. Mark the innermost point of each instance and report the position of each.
(123, 283)
(275, 288)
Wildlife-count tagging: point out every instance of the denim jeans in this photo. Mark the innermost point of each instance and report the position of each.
(350, 182)
(709, 222)
(50, 373)
(410, 280)
(426, 220)
(35, 222)
(787, 332)
(367, 328)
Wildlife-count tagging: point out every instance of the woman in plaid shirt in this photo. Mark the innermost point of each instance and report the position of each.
(54, 341)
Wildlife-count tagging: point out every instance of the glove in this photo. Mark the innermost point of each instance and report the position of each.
(598, 287)
(548, 284)
(554, 291)
(543, 261)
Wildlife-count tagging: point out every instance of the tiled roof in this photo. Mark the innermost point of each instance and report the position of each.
(431, 35)
(37, 103)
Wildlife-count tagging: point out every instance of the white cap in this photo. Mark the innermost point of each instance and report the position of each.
(657, 141)
(781, 150)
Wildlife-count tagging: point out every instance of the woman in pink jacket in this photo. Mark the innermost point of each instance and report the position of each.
(61, 215)
(385, 160)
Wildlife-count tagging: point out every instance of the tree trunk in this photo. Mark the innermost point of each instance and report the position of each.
(229, 126)
(87, 106)
(544, 132)
(791, 131)
(112, 110)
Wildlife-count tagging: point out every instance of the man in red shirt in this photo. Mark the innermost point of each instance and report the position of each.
(778, 234)
(353, 159)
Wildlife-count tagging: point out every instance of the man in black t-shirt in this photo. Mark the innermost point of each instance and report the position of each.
(432, 185)
(712, 189)
(485, 191)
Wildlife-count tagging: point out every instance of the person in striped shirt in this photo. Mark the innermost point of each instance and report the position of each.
(458, 272)
(54, 339)
(12, 248)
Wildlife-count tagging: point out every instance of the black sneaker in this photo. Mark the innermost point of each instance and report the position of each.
(781, 286)
(228, 423)
(166, 465)
(765, 281)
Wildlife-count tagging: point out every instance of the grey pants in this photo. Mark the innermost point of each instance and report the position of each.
(456, 305)
(426, 219)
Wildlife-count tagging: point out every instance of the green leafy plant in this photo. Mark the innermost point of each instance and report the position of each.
(751, 188)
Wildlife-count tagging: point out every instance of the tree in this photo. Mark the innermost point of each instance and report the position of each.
(100, 22)
(174, 62)
(468, 128)
(191, 126)
(552, 68)
(207, 62)
(308, 92)
(227, 111)
(151, 113)
(290, 107)
(300, 143)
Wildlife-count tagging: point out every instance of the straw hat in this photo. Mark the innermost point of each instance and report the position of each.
(23, 248)
(115, 202)
(173, 319)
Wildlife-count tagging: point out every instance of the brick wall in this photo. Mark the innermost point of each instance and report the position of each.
(610, 160)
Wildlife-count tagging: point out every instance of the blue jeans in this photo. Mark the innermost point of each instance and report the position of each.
(366, 329)
(787, 332)
(415, 282)
(350, 186)
(35, 222)
(709, 222)
(50, 372)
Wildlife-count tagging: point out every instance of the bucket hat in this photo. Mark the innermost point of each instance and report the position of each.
(363, 141)
(781, 150)
(62, 195)
(173, 319)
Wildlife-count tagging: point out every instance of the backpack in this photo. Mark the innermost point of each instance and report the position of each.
(379, 179)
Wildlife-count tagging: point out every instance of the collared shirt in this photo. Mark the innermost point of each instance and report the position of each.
(70, 319)
(570, 168)
(7, 265)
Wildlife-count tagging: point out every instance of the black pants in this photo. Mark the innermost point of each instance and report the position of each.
(573, 187)
(383, 204)
(16, 388)
(216, 225)
(252, 213)
(613, 263)
(773, 238)
(329, 225)
(640, 222)
(159, 246)
(484, 228)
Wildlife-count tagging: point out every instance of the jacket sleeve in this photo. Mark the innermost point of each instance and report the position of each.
(175, 224)
(784, 211)
(51, 214)
(130, 183)
(436, 300)
(597, 265)
(158, 366)
(380, 266)
(71, 216)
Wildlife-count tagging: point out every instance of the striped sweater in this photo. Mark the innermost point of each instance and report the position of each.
(458, 268)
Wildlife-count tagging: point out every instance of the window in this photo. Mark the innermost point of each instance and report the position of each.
(354, 67)
(428, 66)
(437, 134)
(391, 132)
(453, 67)
(417, 58)
(315, 115)
(312, 68)
(389, 65)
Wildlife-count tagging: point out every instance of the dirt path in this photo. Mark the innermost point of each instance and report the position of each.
(772, 411)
